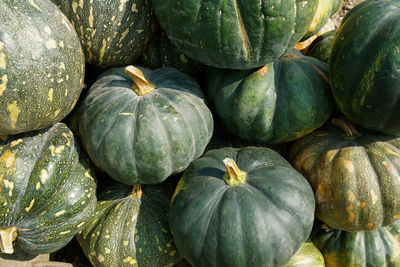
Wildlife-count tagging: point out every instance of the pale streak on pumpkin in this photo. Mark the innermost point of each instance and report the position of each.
(350, 196)
(129, 259)
(32, 3)
(122, 5)
(50, 44)
(3, 60)
(38, 185)
(243, 32)
(14, 111)
(102, 50)
(27, 209)
(3, 82)
(80, 225)
(61, 212)
(44, 175)
(81, 3)
(47, 30)
(350, 209)
(107, 250)
(10, 186)
(65, 232)
(16, 142)
(91, 18)
(123, 35)
(373, 197)
(56, 112)
(134, 9)
(50, 95)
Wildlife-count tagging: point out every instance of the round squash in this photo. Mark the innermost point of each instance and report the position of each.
(112, 33)
(142, 126)
(241, 207)
(41, 66)
(47, 191)
(307, 256)
(362, 249)
(130, 228)
(354, 176)
(234, 34)
(280, 102)
(364, 66)
(321, 47)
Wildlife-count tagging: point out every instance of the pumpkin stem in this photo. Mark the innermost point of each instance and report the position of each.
(141, 85)
(7, 236)
(233, 175)
(137, 191)
(348, 128)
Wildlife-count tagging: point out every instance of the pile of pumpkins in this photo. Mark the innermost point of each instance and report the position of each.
(284, 158)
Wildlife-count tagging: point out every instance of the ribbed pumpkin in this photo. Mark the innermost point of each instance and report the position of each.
(354, 176)
(364, 66)
(280, 102)
(321, 47)
(142, 126)
(47, 191)
(362, 249)
(130, 227)
(234, 34)
(241, 207)
(307, 256)
(41, 66)
(112, 33)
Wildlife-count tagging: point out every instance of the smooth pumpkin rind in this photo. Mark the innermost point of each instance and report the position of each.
(307, 255)
(321, 47)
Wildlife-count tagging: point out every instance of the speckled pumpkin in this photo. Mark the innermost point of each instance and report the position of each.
(358, 249)
(355, 177)
(142, 126)
(47, 191)
(112, 32)
(307, 256)
(130, 228)
(41, 66)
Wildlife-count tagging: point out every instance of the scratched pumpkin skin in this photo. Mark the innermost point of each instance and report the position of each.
(41, 66)
(47, 191)
(112, 32)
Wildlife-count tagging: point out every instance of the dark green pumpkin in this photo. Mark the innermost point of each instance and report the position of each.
(130, 228)
(47, 191)
(321, 47)
(280, 102)
(234, 34)
(354, 176)
(112, 33)
(144, 133)
(307, 256)
(255, 213)
(358, 249)
(41, 66)
(364, 66)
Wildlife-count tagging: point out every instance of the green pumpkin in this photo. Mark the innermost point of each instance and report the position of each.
(241, 207)
(41, 66)
(47, 191)
(130, 228)
(143, 131)
(234, 34)
(307, 256)
(321, 47)
(354, 176)
(358, 249)
(112, 33)
(364, 66)
(280, 102)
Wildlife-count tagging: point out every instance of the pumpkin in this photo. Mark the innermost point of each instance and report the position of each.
(280, 102)
(307, 256)
(304, 45)
(130, 227)
(347, 249)
(364, 66)
(321, 47)
(157, 120)
(41, 66)
(47, 191)
(234, 34)
(354, 176)
(112, 33)
(241, 207)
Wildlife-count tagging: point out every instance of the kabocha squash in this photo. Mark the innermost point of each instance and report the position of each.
(280, 102)
(145, 129)
(362, 249)
(321, 47)
(244, 207)
(130, 228)
(112, 33)
(41, 66)
(354, 176)
(307, 256)
(364, 66)
(47, 191)
(234, 34)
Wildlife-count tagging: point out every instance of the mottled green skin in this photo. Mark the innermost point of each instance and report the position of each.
(321, 47)
(46, 188)
(235, 34)
(261, 222)
(144, 139)
(307, 256)
(283, 101)
(161, 52)
(41, 66)
(364, 66)
(356, 182)
(358, 249)
(323, 13)
(112, 32)
(130, 231)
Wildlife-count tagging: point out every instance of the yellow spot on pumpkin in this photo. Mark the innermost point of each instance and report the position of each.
(140, 250)
(370, 226)
(349, 166)
(183, 58)
(65, 232)
(30, 205)
(61, 212)
(81, 3)
(107, 236)
(388, 166)
(350, 196)
(80, 225)
(10, 186)
(373, 197)
(44, 175)
(56, 112)
(172, 253)
(32, 3)
(61, 44)
(50, 94)
(126, 243)
(74, 7)
(157, 240)
(3, 81)
(136, 238)
(102, 50)
(123, 35)
(14, 113)
(91, 18)
(349, 209)
(50, 44)
(16, 142)
(122, 4)
(3, 61)
(107, 250)
(47, 29)
(263, 70)
(361, 204)
(100, 258)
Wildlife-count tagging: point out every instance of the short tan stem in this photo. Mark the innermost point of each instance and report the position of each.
(141, 85)
(137, 191)
(350, 132)
(7, 236)
(233, 175)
